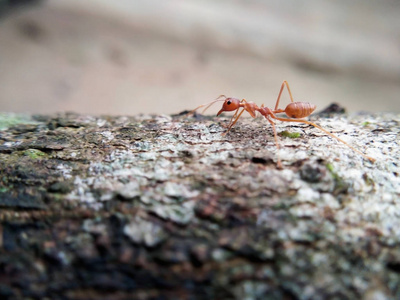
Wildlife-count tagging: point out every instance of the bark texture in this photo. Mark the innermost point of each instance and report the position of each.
(160, 207)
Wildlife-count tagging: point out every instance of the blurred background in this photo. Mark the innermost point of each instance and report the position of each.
(156, 56)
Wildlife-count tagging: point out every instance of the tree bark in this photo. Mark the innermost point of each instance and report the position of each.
(160, 207)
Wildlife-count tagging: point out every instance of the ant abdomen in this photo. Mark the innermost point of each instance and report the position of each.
(299, 110)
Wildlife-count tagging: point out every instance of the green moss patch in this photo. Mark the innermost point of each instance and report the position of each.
(292, 135)
(9, 119)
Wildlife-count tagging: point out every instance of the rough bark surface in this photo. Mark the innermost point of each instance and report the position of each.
(160, 207)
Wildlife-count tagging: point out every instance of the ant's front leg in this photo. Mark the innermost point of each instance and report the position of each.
(233, 120)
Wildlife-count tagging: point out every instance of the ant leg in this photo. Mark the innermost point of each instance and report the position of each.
(371, 159)
(233, 117)
(231, 124)
(279, 164)
(280, 93)
(237, 118)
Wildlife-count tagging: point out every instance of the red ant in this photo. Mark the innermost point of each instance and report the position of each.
(294, 110)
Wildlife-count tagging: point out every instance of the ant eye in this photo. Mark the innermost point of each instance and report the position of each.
(229, 102)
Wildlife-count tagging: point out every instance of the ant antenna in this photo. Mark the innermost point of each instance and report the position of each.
(208, 104)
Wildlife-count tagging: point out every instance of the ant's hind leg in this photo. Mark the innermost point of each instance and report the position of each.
(371, 159)
(280, 93)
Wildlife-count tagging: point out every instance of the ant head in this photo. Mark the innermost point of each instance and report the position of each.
(229, 105)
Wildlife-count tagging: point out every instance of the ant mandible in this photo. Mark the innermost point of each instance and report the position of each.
(294, 110)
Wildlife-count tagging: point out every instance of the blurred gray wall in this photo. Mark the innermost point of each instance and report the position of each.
(154, 56)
